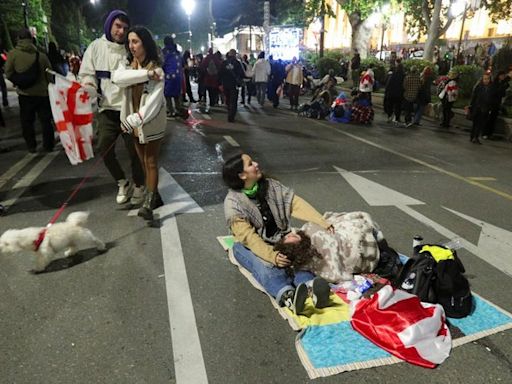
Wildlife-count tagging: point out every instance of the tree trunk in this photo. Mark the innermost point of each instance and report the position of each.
(360, 35)
(433, 31)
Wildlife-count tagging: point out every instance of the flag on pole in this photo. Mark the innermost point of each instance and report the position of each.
(72, 113)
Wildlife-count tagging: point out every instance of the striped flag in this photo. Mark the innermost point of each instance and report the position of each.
(72, 113)
(404, 326)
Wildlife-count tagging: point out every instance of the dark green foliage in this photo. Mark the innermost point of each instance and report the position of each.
(503, 58)
(326, 63)
(469, 75)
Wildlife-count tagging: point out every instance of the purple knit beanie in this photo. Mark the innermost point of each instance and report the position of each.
(107, 27)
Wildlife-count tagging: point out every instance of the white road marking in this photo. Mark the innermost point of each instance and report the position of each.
(9, 174)
(494, 245)
(231, 141)
(20, 187)
(186, 346)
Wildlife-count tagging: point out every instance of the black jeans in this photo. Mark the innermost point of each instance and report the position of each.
(447, 112)
(3, 87)
(231, 95)
(109, 129)
(29, 107)
(480, 119)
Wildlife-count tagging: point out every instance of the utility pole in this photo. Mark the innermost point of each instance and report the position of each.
(322, 28)
(25, 13)
(266, 26)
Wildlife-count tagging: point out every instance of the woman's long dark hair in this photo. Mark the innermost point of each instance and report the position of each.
(231, 169)
(149, 44)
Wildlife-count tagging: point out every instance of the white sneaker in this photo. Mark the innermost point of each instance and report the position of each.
(125, 191)
(138, 195)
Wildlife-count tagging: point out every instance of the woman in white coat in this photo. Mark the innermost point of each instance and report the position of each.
(143, 112)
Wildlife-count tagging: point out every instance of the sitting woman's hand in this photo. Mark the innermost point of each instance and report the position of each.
(282, 261)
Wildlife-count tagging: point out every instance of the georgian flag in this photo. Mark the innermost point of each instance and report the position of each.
(72, 113)
(401, 324)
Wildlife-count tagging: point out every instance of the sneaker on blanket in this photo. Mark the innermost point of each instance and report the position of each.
(299, 299)
(321, 292)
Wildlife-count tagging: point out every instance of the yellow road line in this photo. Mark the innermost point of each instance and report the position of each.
(421, 162)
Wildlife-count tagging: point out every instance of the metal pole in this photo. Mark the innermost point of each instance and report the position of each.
(189, 35)
(322, 30)
(25, 13)
(466, 7)
(382, 41)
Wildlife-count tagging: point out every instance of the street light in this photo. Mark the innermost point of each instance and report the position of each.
(25, 13)
(188, 6)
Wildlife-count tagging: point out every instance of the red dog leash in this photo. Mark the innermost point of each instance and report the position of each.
(42, 234)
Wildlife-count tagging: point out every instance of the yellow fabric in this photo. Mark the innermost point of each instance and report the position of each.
(245, 233)
(338, 311)
(438, 253)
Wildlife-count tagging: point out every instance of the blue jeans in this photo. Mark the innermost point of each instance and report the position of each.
(273, 279)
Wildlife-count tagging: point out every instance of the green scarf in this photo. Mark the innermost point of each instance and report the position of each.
(251, 192)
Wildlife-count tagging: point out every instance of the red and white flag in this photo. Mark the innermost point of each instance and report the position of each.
(72, 113)
(404, 326)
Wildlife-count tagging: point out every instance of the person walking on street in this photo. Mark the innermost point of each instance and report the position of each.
(498, 90)
(102, 57)
(211, 68)
(424, 95)
(173, 76)
(23, 62)
(187, 66)
(277, 76)
(261, 74)
(355, 69)
(412, 85)
(480, 107)
(294, 79)
(448, 96)
(394, 93)
(143, 108)
(231, 77)
(3, 86)
(247, 87)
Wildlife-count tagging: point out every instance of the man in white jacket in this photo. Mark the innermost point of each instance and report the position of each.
(101, 58)
(261, 71)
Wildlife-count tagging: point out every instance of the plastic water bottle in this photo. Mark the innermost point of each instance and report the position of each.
(453, 243)
(416, 240)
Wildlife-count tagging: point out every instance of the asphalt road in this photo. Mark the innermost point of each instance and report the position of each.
(105, 318)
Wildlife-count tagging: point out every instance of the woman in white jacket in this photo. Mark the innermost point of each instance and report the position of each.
(261, 72)
(143, 112)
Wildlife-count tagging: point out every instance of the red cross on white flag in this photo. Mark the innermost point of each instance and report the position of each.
(72, 113)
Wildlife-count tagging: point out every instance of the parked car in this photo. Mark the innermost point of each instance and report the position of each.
(383, 55)
(417, 55)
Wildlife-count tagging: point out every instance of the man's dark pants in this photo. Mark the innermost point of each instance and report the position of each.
(109, 129)
(29, 107)
(231, 95)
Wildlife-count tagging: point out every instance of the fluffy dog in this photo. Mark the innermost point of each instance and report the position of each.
(69, 236)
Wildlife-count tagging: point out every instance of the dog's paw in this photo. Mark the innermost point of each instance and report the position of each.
(102, 247)
(70, 252)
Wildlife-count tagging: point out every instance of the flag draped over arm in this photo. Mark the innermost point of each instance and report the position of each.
(72, 112)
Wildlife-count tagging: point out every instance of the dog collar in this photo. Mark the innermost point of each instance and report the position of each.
(39, 240)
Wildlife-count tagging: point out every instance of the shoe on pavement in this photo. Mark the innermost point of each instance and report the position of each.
(321, 292)
(125, 191)
(287, 299)
(137, 195)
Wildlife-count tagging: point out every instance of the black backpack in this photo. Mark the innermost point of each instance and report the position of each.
(28, 78)
(435, 275)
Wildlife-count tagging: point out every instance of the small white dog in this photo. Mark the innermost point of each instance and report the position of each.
(69, 236)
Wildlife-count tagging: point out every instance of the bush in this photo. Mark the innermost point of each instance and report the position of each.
(326, 63)
(379, 68)
(420, 64)
(469, 75)
(502, 59)
(310, 57)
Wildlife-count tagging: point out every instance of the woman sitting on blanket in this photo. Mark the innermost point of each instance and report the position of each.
(258, 212)
(357, 246)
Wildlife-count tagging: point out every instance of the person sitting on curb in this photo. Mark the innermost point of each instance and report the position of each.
(258, 211)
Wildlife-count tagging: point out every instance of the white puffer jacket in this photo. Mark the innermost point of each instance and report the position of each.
(261, 71)
(100, 59)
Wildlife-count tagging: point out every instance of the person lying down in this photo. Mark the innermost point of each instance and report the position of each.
(352, 248)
